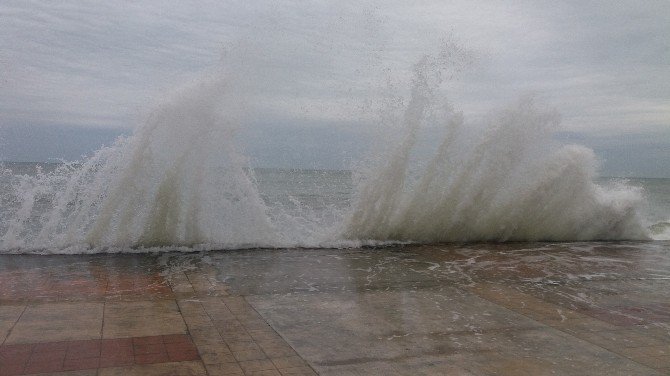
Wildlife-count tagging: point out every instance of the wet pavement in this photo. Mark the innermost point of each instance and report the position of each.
(484, 309)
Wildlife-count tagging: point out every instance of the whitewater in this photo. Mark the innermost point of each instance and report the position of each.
(181, 182)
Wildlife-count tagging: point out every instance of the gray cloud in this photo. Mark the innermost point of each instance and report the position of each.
(603, 65)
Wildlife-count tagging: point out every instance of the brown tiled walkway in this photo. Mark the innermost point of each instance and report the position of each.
(42, 357)
(518, 309)
(97, 318)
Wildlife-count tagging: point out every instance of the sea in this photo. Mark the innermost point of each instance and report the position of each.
(181, 182)
(304, 207)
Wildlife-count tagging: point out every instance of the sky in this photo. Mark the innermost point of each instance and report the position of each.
(75, 74)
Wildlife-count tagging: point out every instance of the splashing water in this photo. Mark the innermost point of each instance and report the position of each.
(511, 183)
(180, 181)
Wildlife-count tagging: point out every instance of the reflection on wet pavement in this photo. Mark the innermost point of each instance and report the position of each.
(483, 309)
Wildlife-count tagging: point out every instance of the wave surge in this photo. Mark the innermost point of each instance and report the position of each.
(177, 181)
(180, 181)
(509, 182)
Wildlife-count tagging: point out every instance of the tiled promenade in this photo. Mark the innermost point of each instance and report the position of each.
(520, 309)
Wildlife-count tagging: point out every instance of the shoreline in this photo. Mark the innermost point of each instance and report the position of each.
(171, 249)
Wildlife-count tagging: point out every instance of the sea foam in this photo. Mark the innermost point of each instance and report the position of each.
(180, 182)
(510, 182)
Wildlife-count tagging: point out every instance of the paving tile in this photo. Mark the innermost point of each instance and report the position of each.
(13, 358)
(9, 315)
(141, 284)
(622, 341)
(43, 367)
(209, 339)
(205, 333)
(255, 325)
(242, 345)
(150, 348)
(202, 327)
(60, 346)
(267, 334)
(234, 335)
(83, 349)
(279, 352)
(289, 362)
(654, 351)
(216, 306)
(302, 371)
(163, 369)
(272, 343)
(657, 362)
(214, 354)
(583, 325)
(269, 372)
(81, 363)
(224, 369)
(112, 356)
(264, 334)
(161, 357)
(614, 317)
(142, 318)
(248, 315)
(12, 365)
(248, 355)
(249, 366)
(176, 338)
(183, 356)
(237, 304)
(11, 370)
(116, 344)
(52, 322)
(148, 340)
(190, 306)
(180, 283)
(54, 356)
(181, 351)
(176, 347)
(116, 360)
(505, 366)
(87, 372)
(92, 354)
(206, 284)
(230, 326)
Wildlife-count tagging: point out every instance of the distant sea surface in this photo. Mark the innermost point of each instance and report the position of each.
(311, 201)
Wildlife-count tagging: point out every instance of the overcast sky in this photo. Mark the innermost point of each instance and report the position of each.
(75, 74)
